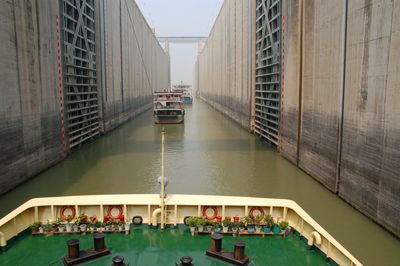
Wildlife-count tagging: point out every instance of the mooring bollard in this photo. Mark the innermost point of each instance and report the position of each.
(118, 261)
(99, 243)
(186, 261)
(239, 250)
(73, 248)
(216, 242)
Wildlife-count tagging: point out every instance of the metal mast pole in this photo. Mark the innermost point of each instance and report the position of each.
(162, 179)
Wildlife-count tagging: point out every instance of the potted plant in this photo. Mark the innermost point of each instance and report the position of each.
(114, 225)
(35, 227)
(192, 222)
(200, 223)
(75, 225)
(120, 226)
(276, 229)
(58, 224)
(108, 225)
(83, 227)
(47, 227)
(127, 226)
(284, 226)
(83, 219)
(226, 223)
(241, 224)
(209, 225)
(235, 228)
(92, 223)
(269, 222)
(217, 227)
(257, 222)
(249, 221)
(100, 226)
(91, 227)
(68, 225)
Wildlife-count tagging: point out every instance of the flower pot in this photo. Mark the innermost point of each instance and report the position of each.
(241, 230)
(83, 227)
(217, 229)
(127, 227)
(107, 228)
(61, 228)
(267, 229)
(201, 228)
(68, 227)
(225, 229)
(192, 229)
(250, 229)
(41, 230)
(209, 228)
(285, 230)
(258, 229)
(120, 228)
(235, 231)
(276, 229)
(75, 228)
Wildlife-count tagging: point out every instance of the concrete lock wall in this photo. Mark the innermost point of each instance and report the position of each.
(134, 64)
(370, 165)
(321, 74)
(345, 134)
(130, 64)
(226, 63)
(291, 38)
(30, 124)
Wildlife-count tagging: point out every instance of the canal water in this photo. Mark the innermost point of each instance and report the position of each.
(208, 154)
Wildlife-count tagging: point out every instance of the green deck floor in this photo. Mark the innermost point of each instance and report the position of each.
(145, 246)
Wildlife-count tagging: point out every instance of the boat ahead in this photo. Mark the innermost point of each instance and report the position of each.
(187, 98)
(168, 108)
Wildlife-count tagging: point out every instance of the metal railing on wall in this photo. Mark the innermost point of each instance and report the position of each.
(79, 71)
(268, 69)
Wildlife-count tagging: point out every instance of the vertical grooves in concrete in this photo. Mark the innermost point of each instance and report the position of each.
(342, 87)
(300, 104)
(121, 55)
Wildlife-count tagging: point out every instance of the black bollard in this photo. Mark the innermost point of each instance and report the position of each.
(216, 242)
(99, 244)
(73, 248)
(186, 261)
(238, 252)
(118, 261)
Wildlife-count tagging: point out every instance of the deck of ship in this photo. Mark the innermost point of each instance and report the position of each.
(145, 246)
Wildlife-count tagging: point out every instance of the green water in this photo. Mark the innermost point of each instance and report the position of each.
(154, 247)
(209, 154)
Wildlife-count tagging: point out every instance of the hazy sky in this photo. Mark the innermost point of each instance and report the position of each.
(181, 18)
